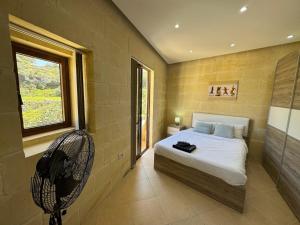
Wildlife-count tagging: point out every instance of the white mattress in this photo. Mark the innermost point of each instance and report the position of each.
(221, 157)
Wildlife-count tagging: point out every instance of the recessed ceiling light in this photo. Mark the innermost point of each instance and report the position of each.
(243, 9)
(176, 26)
(232, 45)
(290, 36)
(191, 51)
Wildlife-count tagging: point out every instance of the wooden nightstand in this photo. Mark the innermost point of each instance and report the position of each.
(173, 129)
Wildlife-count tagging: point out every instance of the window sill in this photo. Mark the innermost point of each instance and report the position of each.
(39, 143)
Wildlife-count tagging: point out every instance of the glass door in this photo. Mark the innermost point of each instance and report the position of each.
(142, 110)
(139, 74)
(145, 110)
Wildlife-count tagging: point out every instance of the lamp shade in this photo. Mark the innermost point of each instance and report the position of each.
(177, 120)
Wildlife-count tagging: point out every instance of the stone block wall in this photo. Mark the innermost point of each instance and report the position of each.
(111, 41)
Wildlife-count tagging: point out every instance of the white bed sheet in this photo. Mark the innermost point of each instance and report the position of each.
(221, 157)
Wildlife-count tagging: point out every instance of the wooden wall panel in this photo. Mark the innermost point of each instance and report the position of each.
(282, 152)
(296, 103)
(275, 143)
(290, 195)
(284, 80)
(271, 168)
(289, 181)
(291, 161)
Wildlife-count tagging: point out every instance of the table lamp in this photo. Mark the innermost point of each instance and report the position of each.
(177, 120)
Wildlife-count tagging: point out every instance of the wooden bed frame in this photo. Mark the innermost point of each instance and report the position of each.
(232, 196)
(216, 188)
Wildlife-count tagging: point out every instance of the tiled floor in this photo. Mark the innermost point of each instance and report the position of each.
(148, 197)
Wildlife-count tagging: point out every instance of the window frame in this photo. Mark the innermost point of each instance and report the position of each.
(65, 86)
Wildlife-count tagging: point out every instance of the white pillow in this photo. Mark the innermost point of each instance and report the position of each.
(239, 131)
(224, 130)
(210, 122)
(203, 127)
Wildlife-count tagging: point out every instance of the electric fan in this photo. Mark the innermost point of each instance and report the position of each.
(62, 172)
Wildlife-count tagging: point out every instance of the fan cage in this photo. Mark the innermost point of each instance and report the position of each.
(79, 147)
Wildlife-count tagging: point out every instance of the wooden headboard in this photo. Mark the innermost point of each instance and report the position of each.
(229, 120)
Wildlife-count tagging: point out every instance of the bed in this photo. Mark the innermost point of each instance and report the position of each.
(216, 167)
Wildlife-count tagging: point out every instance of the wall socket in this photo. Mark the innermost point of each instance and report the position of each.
(120, 156)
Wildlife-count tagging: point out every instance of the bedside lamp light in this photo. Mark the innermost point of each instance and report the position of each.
(177, 120)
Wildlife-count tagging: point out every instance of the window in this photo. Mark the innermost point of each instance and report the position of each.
(43, 89)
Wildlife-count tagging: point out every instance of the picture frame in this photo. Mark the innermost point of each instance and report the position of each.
(223, 90)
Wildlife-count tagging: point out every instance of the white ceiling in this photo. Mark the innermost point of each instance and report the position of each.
(208, 27)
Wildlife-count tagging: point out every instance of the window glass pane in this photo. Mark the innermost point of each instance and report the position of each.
(40, 87)
(145, 91)
(144, 94)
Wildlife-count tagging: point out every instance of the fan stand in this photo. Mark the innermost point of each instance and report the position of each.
(58, 218)
(55, 219)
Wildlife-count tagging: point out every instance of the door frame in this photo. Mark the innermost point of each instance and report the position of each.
(135, 64)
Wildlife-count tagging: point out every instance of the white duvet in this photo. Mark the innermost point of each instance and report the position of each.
(221, 157)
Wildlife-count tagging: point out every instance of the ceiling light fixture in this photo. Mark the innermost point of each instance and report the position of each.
(176, 26)
(232, 45)
(243, 9)
(191, 51)
(290, 36)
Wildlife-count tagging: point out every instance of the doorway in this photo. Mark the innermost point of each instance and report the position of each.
(140, 109)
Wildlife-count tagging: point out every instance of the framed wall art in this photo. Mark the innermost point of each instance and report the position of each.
(223, 89)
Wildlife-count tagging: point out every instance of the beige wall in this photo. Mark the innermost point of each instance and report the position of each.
(98, 26)
(187, 89)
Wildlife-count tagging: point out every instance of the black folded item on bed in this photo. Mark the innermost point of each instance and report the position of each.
(184, 146)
